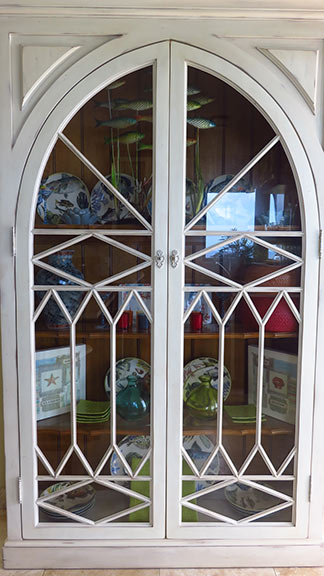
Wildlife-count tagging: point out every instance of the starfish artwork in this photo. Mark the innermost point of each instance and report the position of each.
(51, 380)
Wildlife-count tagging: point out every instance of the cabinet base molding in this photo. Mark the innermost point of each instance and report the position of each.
(17, 555)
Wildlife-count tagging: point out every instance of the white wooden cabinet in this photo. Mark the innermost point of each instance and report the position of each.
(194, 264)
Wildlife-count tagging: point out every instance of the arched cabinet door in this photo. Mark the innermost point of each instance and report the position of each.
(242, 315)
(92, 243)
(166, 307)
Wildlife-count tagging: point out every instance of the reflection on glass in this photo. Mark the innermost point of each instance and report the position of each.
(241, 260)
(224, 133)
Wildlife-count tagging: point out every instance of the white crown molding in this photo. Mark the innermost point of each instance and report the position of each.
(220, 9)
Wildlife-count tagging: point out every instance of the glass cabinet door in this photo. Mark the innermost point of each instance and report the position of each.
(99, 305)
(236, 289)
(167, 273)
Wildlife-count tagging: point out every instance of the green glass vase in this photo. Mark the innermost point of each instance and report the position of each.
(202, 401)
(130, 403)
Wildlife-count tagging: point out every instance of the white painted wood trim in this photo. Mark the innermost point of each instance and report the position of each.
(39, 555)
(179, 9)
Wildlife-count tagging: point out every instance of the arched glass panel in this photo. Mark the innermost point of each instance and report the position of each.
(93, 312)
(243, 258)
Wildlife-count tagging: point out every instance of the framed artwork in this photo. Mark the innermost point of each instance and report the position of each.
(279, 383)
(53, 380)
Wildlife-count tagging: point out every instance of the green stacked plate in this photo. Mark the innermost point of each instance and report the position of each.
(243, 414)
(89, 411)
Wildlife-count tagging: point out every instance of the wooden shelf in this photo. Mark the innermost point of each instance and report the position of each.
(94, 334)
(212, 332)
(60, 425)
(208, 333)
(271, 427)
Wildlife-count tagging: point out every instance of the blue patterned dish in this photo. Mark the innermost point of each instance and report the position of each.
(76, 501)
(105, 205)
(129, 367)
(59, 194)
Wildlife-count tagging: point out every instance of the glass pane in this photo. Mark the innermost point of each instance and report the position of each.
(93, 312)
(224, 133)
(242, 260)
(114, 132)
(53, 384)
(242, 307)
(239, 501)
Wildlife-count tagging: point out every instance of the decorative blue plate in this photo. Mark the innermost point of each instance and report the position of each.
(248, 499)
(127, 367)
(59, 194)
(106, 206)
(76, 501)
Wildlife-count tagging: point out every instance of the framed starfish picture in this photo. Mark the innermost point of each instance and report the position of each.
(53, 380)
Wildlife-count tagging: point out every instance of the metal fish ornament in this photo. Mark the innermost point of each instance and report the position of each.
(116, 84)
(191, 141)
(144, 118)
(145, 147)
(193, 105)
(201, 123)
(127, 138)
(116, 122)
(112, 104)
(135, 105)
(203, 100)
(191, 90)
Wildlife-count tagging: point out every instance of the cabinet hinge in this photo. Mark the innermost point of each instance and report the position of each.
(14, 241)
(310, 488)
(19, 490)
(320, 244)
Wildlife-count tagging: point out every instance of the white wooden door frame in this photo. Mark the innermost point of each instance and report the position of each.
(158, 56)
(183, 55)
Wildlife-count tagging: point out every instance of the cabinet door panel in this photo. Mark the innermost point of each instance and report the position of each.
(99, 307)
(236, 313)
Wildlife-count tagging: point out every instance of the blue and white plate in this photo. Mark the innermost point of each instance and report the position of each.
(202, 367)
(76, 501)
(59, 194)
(248, 499)
(129, 367)
(104, 204)
(198, 448)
